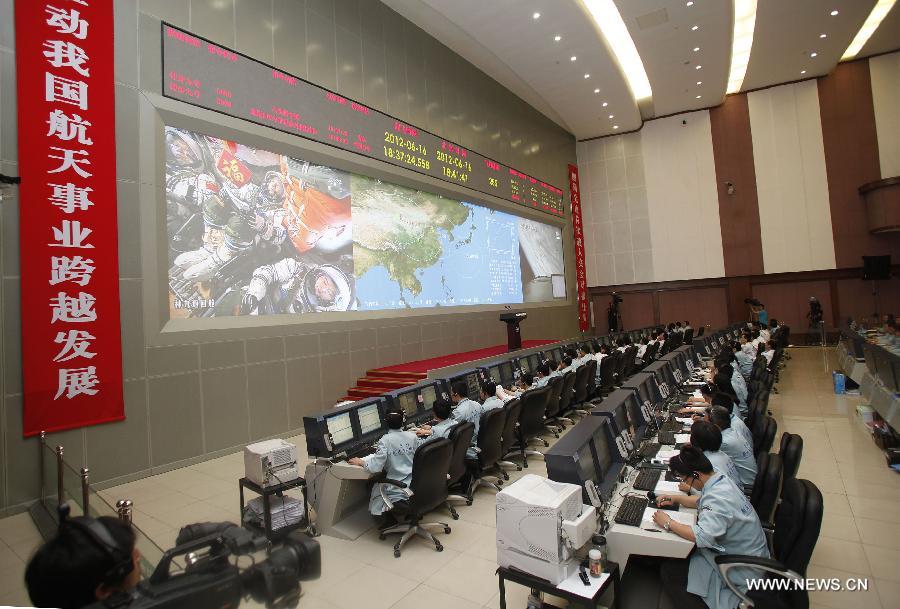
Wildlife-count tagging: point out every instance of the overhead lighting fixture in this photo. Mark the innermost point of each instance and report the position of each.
(605, 104)
(612, 116)
(698, 67)
(587, 75)
(557, 38)
(741, 42)
(823, 35)
(615, 126)
(696, 49)
(803, 71)
(879, 12)
(572, 58)
(834, 13)
(699, 82)
(699, 96)
(536, 16)
(695, 28)
(597, 91)
(813, 54)
(689, 4)
(608, 20)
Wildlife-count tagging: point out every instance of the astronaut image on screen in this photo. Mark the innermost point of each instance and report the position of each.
(252, 232)
(541, 257)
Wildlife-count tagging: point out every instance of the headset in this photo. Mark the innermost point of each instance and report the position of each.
(123, 562)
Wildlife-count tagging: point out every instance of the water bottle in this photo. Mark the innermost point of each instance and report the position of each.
(599, 544)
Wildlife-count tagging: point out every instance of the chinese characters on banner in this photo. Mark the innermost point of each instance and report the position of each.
(71, 339)
(584, 310)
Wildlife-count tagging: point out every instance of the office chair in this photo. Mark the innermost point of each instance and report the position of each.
(566, 395)
(461, 438)
(797, 528)
(701, 331)
(767, 486)
(608, 374)
(512, 411)
(531, 424)
(552, 423)
(580, 388)
(630, 357)
(621, 364)
(791, 452)
(426, 492)
(764, 436)
(592, 387)
(650, 353)
(688, 337)
(483, 469)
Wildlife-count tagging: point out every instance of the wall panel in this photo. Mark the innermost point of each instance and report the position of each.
(700, 306)
(885, 71)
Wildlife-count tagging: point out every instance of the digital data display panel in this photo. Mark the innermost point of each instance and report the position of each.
(208, 75)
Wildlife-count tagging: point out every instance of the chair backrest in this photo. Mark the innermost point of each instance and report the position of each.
(431, 463)
(608, 372)
(688, 336)
(580, 386)
(512, 411)
(767, 486)
(556, 387)
(566, 393)
(591, 365)
(798, 524)
(630, 356)
(768, 437)
(534, 402)
(791, 452)
(461, 437)
(490, 434)
(621, 365)
(701, 331)
(650, 353)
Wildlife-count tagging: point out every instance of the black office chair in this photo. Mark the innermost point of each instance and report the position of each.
(608, 373)
(580, 388)
(767, 486)
(592, 385)
(426, 492)
(797, 530)
(701, 331)
(630, 358)
(531, 424)
(552, 423)
(650, 353)
(566, 395)
(688, 336)
(764, 436)
(461, 437)
(512, 411)
(791, 452)
(483, 469)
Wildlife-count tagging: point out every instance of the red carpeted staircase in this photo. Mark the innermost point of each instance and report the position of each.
(390, 378)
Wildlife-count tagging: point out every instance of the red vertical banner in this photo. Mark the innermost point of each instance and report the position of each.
(71, 338)
(584, 309)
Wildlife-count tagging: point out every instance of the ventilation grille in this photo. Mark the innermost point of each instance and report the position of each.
(652, 20)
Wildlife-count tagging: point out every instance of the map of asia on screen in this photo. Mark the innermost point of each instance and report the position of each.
(252, 232)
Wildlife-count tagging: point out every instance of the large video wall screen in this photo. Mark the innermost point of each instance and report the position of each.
(204, 74)
(252, 232)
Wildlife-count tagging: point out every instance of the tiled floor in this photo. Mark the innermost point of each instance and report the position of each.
(860, 535)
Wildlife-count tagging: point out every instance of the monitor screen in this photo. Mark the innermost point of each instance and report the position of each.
(620, 414)
(506, 372)
(602, 448)
(474, 385)
(369, 419)
(587, 469)
(339, 428)
(408, 403)
(634, 411)
(494, 371)
(429, 395)
(524, 364)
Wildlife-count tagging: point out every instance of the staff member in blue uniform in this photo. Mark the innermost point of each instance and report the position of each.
(734, 445)
(466, 410)
(726, 524)
(442, 410)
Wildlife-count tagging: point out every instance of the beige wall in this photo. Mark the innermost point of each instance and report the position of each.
(885, 73)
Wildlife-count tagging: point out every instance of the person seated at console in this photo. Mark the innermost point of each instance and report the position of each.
(769, 353)
(553, 365)
(393, 455)
(708, 438)
(75, 568)
(584, 355)
(642, 350)
(726, 524)
(734, 445)
(491, 396)
(724, 380)
(727, 401)
(744, 362)
(466, 410)
(746, 344)
(566, 365)
(442, 410)
(621, 345)
(542, 375)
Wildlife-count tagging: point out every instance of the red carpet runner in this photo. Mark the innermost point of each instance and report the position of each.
(381, 380)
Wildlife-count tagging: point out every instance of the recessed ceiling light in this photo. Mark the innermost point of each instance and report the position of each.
(695, 28)
(699, 96)
(699, 82)
(557, 38)
(689, 3)
(612, 116)
(697, 67)
(741, 43)
(803, 71)
(834, 13)
(572, 58)
(615, 126)
(605, 104)
(879, 12)
(587, 75)
(823, 35)
(609, 23)
(597, 91)
(696, 49)
(536, 16)
(813, 54)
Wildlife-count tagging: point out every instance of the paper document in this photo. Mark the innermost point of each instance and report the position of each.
(664, 455)
(685, 420)
(682, 517)
(663, 487)
(682, 438)
(574, 584)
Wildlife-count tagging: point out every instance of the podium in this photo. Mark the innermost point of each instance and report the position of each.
(513, 334)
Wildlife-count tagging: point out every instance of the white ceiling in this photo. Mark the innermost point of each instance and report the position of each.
(503, 39)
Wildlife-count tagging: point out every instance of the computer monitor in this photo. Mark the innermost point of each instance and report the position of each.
(636, 415)
(494, 372)
(895, 368)
(535, 360)
(472, 379)
(409, 402)
(571, 458)
(870, 359)
(605, 448)
(587, 465)
(524, 364)
(340, 428)
(369, 418)
(506, 372)
(429, 395)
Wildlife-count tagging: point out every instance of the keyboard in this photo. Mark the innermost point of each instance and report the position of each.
(666, 437)
(672, 426)
(363, 450)
(631, 512)
(648, 450)
(647, 479)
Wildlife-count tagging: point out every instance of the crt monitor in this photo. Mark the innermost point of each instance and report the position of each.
(429, 395)
(340, 428)
(506, 372)
(369, 417)
(571, 459)
(524, 364)
(636, 415)
(494, 372)
(409, 402)
(472, 379)
(535, 360)
(587, 465)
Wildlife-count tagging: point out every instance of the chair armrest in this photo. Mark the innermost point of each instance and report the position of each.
(396, 483)
(726, 562)
(385, 483)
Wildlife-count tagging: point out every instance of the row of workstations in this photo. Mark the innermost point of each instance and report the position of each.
(339, 491)
(876, 370)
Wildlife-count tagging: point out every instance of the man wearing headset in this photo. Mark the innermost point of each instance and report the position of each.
(88, 560)
(726, 524)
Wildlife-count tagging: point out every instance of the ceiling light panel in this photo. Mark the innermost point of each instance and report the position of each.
(741, 43)
(610, 24)
(872, 22)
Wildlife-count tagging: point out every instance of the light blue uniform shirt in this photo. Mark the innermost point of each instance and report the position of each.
(440, 430)
(722, 463)
(726, 524)
(744, 362)
(393, 455)
(491, 403)
(740, 388)
(554, 373)
(741, 455)
(469, 410)
(541, 381)
(739, 426)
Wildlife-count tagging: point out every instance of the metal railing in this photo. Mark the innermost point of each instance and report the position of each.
(61, 483)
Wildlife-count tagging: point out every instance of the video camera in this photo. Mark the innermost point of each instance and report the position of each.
(211, 581)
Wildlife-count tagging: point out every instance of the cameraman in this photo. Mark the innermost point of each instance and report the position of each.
(815, 321)
(88, 560)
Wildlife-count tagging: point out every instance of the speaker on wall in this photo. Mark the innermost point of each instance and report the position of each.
(876, 267)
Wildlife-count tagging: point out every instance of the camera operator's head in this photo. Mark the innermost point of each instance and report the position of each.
(88, 560)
